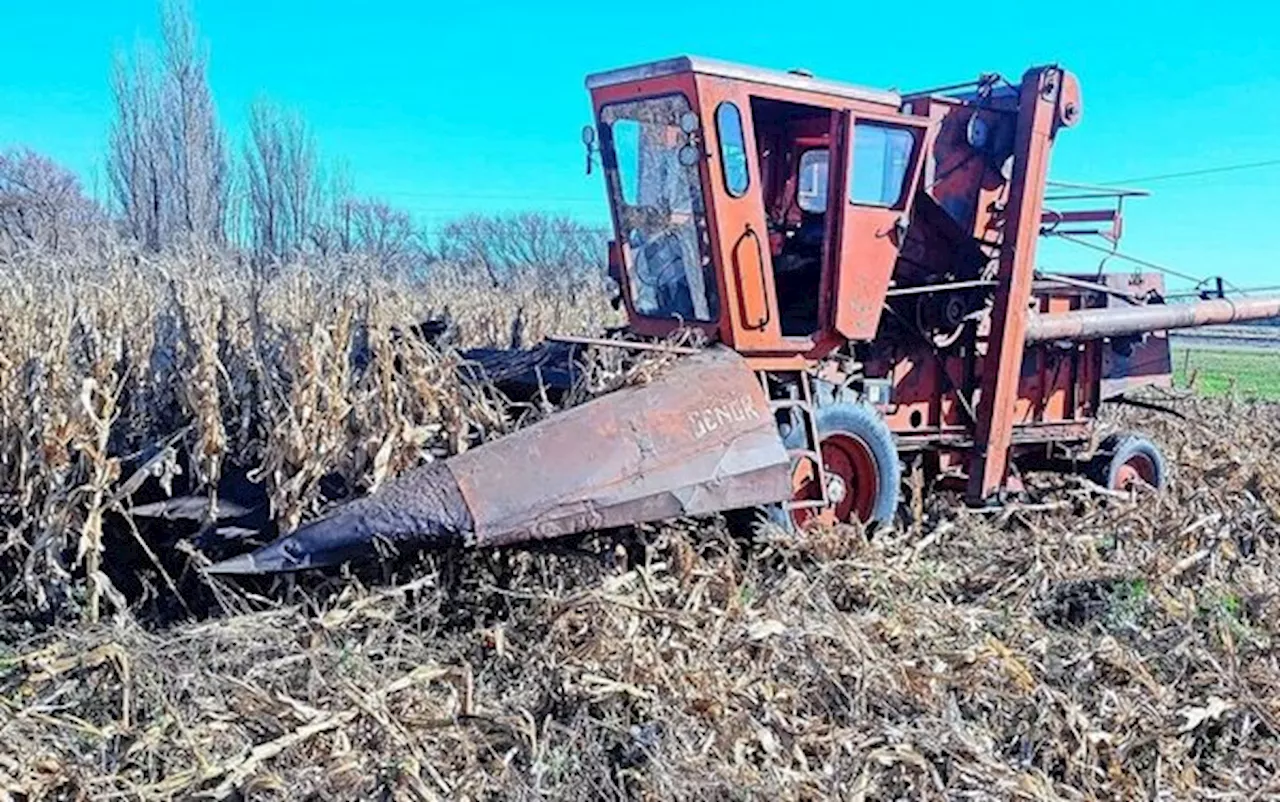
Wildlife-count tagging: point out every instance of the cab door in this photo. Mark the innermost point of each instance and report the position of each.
(740, 225)
(874, 173)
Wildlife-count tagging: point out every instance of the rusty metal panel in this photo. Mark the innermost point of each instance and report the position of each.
(1131, 363)
(740, 230)
(699, 439)
(743, 73)
(1049, 100)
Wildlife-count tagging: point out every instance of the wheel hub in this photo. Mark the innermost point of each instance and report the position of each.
(852, 482)
(836, 489)
(1138, 469)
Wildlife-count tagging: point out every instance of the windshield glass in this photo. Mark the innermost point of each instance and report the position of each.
(658, 202)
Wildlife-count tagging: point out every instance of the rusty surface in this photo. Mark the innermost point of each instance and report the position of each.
(1092, 324)
(697, 440)
(1131, 363)
(866, 237)
(1084, 222)
(1050, 98)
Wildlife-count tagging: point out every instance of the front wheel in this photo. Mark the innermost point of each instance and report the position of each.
(861, 467)
(860, 460)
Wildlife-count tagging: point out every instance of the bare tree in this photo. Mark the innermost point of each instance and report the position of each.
(556, 248)
(285, 191)
(384, 233)
(296, 205)
(42, 204)
(134, 159)
(167, 159)
(196, 144)
(334, 231)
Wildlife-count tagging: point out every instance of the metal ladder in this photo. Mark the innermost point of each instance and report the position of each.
(809, 420)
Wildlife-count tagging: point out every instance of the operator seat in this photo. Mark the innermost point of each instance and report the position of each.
(798, 276)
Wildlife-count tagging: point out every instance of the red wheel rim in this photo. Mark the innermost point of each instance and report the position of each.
(1137, 469)
(853, 482)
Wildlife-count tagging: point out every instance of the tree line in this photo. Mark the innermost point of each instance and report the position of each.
(176, 180)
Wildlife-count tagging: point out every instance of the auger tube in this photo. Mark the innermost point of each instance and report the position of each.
(1093, 324)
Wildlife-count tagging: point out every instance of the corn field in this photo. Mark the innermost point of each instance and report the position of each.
(1078, 645)
(127, 369)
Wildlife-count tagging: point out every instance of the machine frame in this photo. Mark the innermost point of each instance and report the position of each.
(972, 404)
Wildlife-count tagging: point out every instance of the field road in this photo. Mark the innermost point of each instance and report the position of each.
(1228, 338)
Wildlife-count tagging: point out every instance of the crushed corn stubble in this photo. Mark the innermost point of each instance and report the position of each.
(1079, 646)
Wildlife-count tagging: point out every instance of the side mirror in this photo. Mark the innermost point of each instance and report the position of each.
(691, 151)
(589, 141)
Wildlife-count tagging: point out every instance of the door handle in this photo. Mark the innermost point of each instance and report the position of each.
(765, 315)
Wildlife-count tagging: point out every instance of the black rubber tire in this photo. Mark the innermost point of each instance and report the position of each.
(1117, 450)
(868, 425)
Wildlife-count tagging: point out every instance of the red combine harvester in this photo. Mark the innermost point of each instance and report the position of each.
(863, 266)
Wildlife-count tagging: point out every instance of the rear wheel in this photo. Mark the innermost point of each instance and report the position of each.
(1126, 460)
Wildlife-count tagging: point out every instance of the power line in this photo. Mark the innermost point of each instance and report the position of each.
(468, 196)
(1191, 173)
(1198, 282)
(1112, 253)
(1135, 260)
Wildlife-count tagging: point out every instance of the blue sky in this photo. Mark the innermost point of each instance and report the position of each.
(454, 107)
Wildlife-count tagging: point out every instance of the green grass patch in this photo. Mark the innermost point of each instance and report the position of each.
(1245, 373)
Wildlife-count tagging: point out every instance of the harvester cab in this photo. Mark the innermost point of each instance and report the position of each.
(728, 189)
(777, 211)
(883, 241)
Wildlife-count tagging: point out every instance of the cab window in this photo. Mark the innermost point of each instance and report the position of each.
(733, 150)
(811, 184)
(657, 200)
(881, 156)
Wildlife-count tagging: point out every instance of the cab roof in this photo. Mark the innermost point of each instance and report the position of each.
(741, 72)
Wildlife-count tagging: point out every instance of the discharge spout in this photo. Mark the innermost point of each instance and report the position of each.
(1094, 324)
